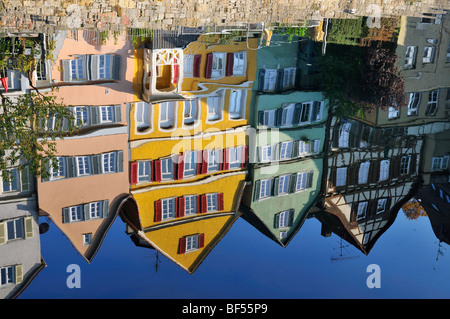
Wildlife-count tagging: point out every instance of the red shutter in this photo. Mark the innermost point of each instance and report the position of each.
(220, 201)
(196, 65)
(199, 162)
(133, 173)
(226, 159)
(176, 72)
(180, 206)
(180, 168)
(199, 204)
(221, 160)
(205, 162)
(182, 246)
(244, 156)
(157, 170)
(203, 203)
(209, 62)
(201, 240)
(230, 64)
(158, 211)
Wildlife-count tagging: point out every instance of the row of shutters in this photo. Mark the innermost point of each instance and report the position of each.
(180, 206)
(371, 211)
(28, 229)
(182, 243)
(275, 183)
(279, 82)
(104, 213)
(209, 65)
(374, 172)
(90, 68)
(202, 165)
(296, 119)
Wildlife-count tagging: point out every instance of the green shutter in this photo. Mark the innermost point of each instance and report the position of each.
(292, 182)
(276, 220)
(291, 217)
(2, 233)
(256, 189)
(25, 179)
(276, 184)
(28, 221)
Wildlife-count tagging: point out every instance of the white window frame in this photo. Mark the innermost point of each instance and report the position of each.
(61, 171)
(265, 188)
(109, 162)
(191, 111)
(302, 181)
(362, 210)
(105, 63)
(212, 202)
(414, 102)
(106, 114)
(190, 164)
(381, 205)
(190, 204)
(13, 185)
(393, 112)
(363, 173)
(283, 184)
(428, 55)
(142, 115)
(77, 69)
(287, 116)
(144, 171)
(265, 153)
(81, 115)
(405, 162)
(168, 208)
(9, 273)
(270, 80)
(167, 168)
(218, 65)
(286, 149)
(191, 243)
(188, 65)
(15, 229)
(283, 220)
(240, 63)
(289, 78)
(214, 106)
(167, 112)
(237, 104)
(433, 102)
(344, 134)
(235, 157)
(384, 170)
(269, 118)
(410, 57)
(87, 239)
(341, 176)
(213, 160)
(84, 166)
(95, 209)
(76, 213)
(303, 148)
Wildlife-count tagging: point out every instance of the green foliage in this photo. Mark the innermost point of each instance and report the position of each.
(292, 31)
(346, 31)
(25, 137)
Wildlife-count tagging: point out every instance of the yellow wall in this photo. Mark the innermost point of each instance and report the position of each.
(167, 239)
(228, 184)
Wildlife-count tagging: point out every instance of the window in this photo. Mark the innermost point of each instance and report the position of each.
(190, 164)
(214, 106)
(188, 65)
(283, 184)
(394, 112)
(448, 54)
(439, 163)
(432, 102)
(428, 55)
(213, 160)
(240, 63)
(267, 118)
(77, 69)
(289, 78)
(269, 80)
(286, 150)
(283, 234)
(190, 111)
(302, 181)
(167, 112)
(303, 148)
(60, 170)
(266, 153)
(410, 57)
(95, 210)
(305, 112)
(212, 203)
(191, 243)
(76, 213)
(316, 146)
(381, 205)
(81, 114)
(404, 164)
(13, 184)
(265, 188)
(235, 157)
(104, 66)
(190, 204)
(218, 65)
(142, 114)
(109, 162)
(384, 170)
(87, 239)
(363, 172)
(284, 218)
(287, 115)
(7, 275)
(341, 176)
(167, 168)
(362, 208)
(107, 113)
(15, 229)
(413, 105)
(344, 134)
(237, 104)
(83, 165)
(144, 171)
(168, 208)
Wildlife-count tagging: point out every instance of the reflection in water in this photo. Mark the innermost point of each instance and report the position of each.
(179, 134)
